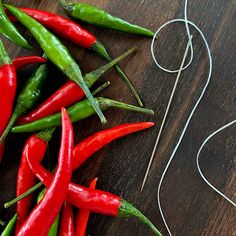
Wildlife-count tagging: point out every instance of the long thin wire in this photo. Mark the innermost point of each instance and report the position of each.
(198, 165)
(167, 111)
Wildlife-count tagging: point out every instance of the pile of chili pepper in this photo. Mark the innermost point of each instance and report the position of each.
(53, 213)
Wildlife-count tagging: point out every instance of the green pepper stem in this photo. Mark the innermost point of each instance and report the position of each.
(101, 50)
(9, 230)
(127, 210)
(93, 76)
(105, 103)
(31, 190)
(4, 58)
(93, 102)
(9, 126)
(77, 112)
(46, 134)
(102, 87)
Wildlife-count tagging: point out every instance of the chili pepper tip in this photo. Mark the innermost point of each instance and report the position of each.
(4, 58)
(10, 227)
(10, 31)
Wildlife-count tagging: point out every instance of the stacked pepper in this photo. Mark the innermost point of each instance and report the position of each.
(53, 215)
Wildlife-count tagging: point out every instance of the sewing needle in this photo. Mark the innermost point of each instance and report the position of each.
(166, 112)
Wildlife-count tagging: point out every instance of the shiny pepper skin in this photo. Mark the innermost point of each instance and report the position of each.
(7, 91)
(45, 213)
(36, 145)
(82, 216)
(67, 221)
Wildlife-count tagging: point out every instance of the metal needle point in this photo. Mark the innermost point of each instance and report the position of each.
(166, 112)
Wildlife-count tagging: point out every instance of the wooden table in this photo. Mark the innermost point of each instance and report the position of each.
(190, 206)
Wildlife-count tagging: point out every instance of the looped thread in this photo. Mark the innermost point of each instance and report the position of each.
(154, 39)
(187, 23)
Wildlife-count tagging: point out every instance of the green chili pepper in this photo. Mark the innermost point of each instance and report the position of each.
(27, 97)
(54, 228)
(79, 111)
(95, 16)
(10, 31)
(9, 230)
(56, 52)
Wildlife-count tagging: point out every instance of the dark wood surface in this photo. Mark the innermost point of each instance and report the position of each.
(190, 206)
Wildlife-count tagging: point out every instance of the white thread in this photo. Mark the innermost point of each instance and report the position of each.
(186, 21)
(152, 48)
(198, 165)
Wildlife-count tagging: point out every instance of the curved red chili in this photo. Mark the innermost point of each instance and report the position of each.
(20, 62)
(36, 146)
(25, 178)
(82, 216)
(79, 196)
(87, 147)
(7, 90)
(45, 213)
(67, 221)
(92, 144)
(93, 200)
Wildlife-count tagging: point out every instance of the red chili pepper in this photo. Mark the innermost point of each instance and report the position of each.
(86, 148)
(91, 199)
(87, 198)
(56, 100)
(67, 221)
(108, 203)
(82, 216)
(72, 31)
(92, 144)
(69, 93)
(45, 213)
(36, 146)
(7, 90)
(62, 26)
(20, 62)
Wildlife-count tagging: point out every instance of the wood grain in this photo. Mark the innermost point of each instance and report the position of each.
(190, 206)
